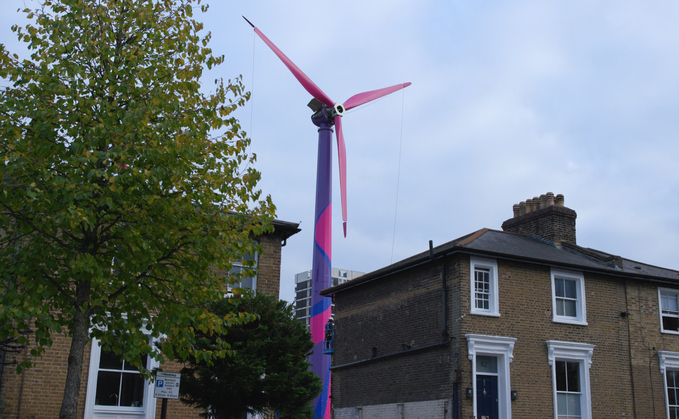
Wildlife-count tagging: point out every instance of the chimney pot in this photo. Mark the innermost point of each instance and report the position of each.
(522, 208)
(516, 210)
(543, 201)
(536, 203)
(560, 200)
(550, 199)
(529, 206)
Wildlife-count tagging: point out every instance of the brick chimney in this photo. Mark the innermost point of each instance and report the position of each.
(545, 217)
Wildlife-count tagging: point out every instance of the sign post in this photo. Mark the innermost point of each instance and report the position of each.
(167, 387)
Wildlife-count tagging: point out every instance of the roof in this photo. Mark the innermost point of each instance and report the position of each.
(512, 246)
(285, 228)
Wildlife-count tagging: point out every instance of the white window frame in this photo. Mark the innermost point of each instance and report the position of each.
(494, 299)
(662, 291)
(147, 411)
(580, 306)
(578, 352)
(668, 360)
(239, 265)
(503, 348)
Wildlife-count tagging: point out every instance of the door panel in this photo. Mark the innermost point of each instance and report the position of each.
(486, 397)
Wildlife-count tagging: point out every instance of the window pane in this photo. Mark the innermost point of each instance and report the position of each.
(130, 367)
(671, 396)
(573, 374)
(108, 385)
(486, 364)
(570, 308)
(562, 404)
(110, 361)
(559, 287)
(668, 301)
(132, 393)
(561, 376)
(560, 307)
(670, 378)
(574, 405)
(246, 283)
(670, 323)
(570, 288)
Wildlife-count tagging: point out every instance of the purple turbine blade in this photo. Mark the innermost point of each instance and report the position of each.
(365, 97)
(306, 82)
(342, 163)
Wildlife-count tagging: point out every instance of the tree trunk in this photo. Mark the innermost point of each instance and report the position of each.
(81, 324)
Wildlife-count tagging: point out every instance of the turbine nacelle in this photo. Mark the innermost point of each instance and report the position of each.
(330, 112)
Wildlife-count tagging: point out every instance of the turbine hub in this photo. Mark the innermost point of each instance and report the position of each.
(338, 109)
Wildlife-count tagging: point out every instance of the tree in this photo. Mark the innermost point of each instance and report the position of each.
(267, 369)
(123, 187)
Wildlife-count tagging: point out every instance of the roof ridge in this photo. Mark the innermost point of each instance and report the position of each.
(465, 240)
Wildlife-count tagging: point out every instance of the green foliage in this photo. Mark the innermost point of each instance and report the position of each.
(123, 186)
(267, 367)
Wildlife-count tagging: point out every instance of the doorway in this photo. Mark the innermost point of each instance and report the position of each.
(487, 406)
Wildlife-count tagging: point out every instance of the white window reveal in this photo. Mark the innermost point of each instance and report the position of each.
(568, 297)
(669, 310)
(570, 363)
(117, 389)
(490, 357)
(484, 296)
(669, 367)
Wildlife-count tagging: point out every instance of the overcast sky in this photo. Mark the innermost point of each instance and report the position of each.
(510, 100)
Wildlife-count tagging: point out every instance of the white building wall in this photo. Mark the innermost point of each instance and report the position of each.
(432, 409)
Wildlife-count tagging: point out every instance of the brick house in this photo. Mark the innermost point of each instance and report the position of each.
(515, 323)
(37, 392)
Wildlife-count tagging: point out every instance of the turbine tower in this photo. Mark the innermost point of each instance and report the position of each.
(326, 114)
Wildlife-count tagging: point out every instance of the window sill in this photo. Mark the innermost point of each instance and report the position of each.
(118, 409)
(569, 321)
(485, 313)
(669, 332)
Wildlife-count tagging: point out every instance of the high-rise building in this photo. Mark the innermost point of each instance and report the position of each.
(303, 289)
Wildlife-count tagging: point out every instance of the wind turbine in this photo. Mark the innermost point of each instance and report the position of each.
(326, 114)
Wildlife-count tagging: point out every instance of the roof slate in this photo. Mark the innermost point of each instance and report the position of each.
(503, 245)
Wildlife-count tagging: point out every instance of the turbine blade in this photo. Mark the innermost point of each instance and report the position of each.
(342, 163)
(305, 81)
(365, 97)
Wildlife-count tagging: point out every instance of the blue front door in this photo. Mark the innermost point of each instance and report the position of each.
(486, 397)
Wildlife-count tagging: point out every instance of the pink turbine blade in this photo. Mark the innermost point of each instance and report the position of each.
(306, 82)
(342, 157)
(365, 97)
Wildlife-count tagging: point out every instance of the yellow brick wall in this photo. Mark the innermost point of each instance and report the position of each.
(38, 391)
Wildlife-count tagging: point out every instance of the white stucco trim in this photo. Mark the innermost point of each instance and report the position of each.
(148, 411)
(572, 351)
(503, 348)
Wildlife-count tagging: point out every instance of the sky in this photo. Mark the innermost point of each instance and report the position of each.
(509, 100)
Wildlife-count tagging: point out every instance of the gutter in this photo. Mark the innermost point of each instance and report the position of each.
(423, 259)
